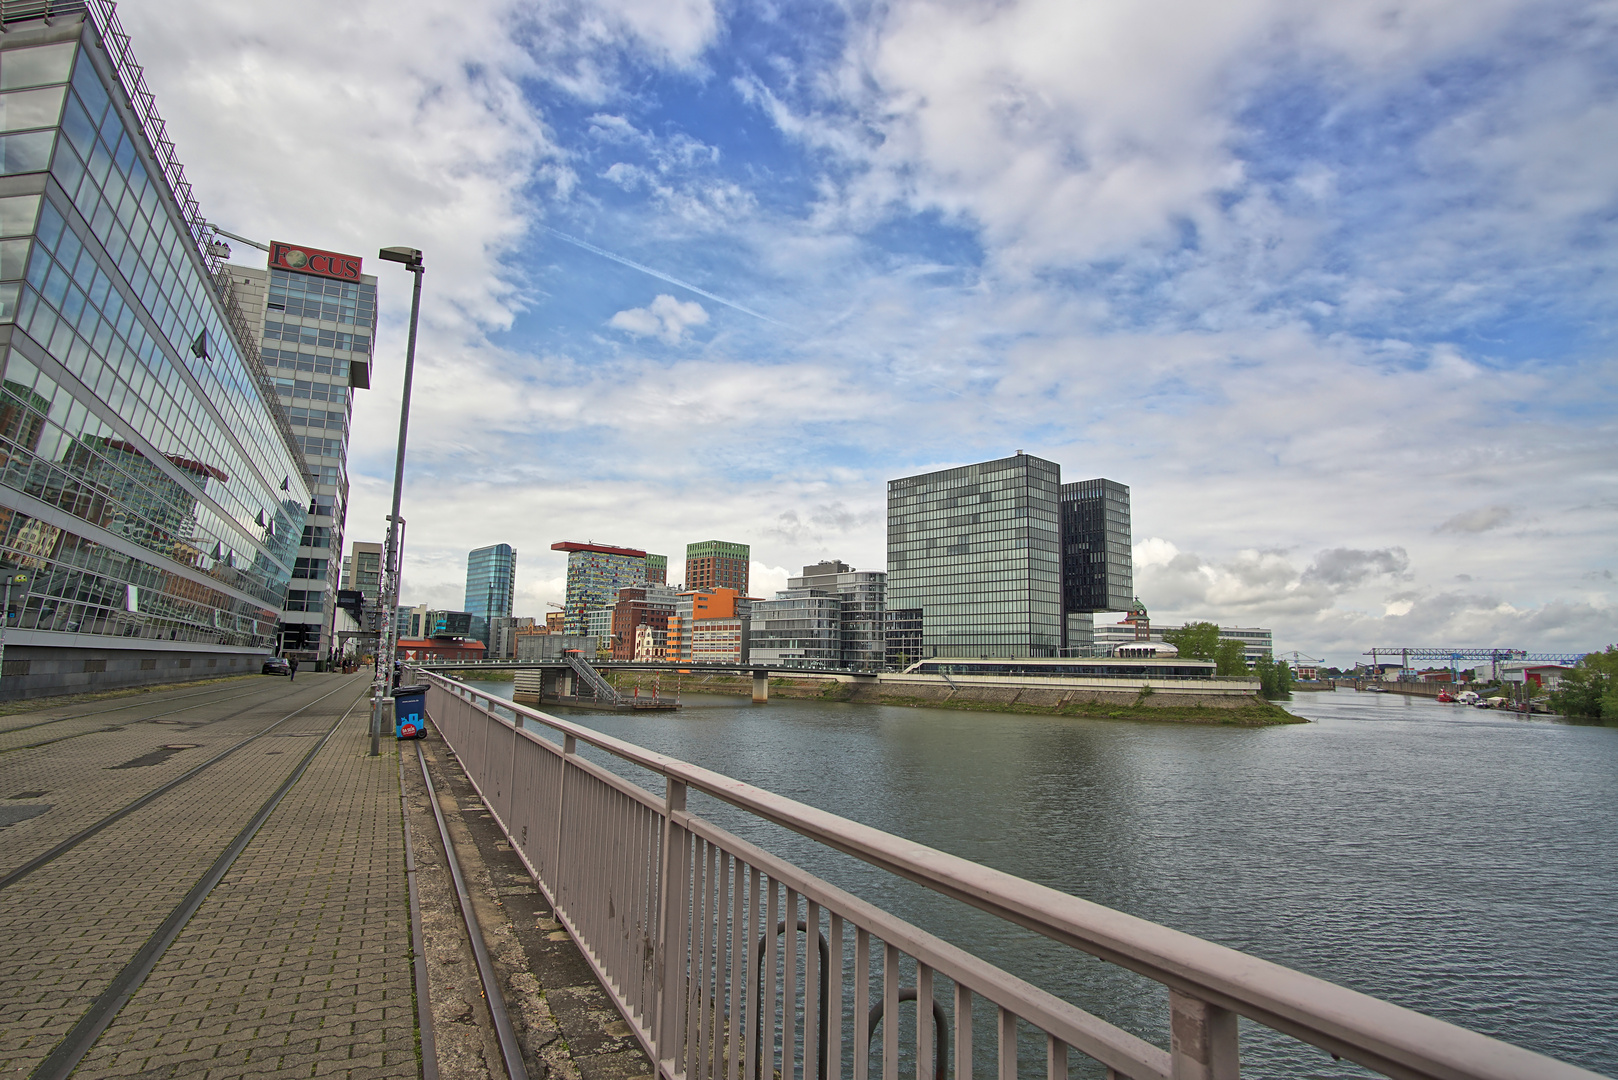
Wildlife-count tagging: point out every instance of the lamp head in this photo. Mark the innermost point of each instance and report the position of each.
(409, 256)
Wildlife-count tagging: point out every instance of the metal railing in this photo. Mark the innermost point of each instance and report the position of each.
(676, 915)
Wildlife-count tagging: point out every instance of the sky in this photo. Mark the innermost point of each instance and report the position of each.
(1329, 286)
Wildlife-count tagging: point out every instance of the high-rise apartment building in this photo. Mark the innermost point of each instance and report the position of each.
(595, 574)
(1097, 557)
(657, 569)
(977, 550)
(315, 314)
(491, 586)
(150, 484)
(717, 564)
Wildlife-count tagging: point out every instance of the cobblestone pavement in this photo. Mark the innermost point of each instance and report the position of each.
(298, 963)
(67, 929)
(81, 780)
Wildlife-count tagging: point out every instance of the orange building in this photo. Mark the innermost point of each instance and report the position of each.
(709, 625)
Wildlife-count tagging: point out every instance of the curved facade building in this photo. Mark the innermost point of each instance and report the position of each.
(149, 485)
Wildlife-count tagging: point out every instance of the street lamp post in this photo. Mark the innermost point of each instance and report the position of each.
(389, 586)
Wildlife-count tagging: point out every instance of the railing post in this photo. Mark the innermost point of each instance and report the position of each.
(570, 749)
(673, 898)
(1202, 1040)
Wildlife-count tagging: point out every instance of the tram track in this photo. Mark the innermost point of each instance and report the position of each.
(493, 995)
(68, 1053)
(13, 729)
(22, 871)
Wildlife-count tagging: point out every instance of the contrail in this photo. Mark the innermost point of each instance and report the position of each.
(633, 265)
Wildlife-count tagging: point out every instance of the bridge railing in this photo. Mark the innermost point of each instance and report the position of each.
(695, 933)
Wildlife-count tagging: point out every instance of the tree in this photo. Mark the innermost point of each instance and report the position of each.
(1274, 679)
(1591, 688)
(1231, 656)
(1196, 641)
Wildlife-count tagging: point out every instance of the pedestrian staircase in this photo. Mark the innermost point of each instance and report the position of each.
(605, 692)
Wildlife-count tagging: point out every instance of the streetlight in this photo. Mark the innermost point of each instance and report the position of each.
(389, 587)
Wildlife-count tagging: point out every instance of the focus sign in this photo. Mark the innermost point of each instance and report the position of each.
(307, 260)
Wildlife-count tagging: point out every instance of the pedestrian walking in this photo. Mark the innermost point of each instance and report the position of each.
(292, 669)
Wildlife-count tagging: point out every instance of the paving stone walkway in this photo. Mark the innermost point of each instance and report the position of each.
(299, 962)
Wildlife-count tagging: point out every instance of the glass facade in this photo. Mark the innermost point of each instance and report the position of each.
(799, 628)
(143, 476)
(491, 586)
(862, 611)
(977, 550)
(1097, 556)
(315, 333)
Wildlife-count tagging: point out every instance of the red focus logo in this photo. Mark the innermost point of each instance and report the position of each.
(307, 260)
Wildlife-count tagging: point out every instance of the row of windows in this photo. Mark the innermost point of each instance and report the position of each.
(83, 321)
(318, 419)
(316, 447)
(98, 167)
(299, 389)
(310, 569)
(299, 600)
(315, 336)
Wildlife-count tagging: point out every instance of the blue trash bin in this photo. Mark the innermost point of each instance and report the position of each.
(410, 712)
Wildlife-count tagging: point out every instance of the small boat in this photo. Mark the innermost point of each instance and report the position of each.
(1445, 696)
(1467, 697)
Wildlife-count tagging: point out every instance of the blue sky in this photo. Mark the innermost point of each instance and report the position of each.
(1329, 286)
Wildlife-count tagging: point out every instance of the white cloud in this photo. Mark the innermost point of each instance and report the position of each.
(1480, 520)
(665, 318)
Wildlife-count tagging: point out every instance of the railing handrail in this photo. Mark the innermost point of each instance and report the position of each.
(1380, 1035)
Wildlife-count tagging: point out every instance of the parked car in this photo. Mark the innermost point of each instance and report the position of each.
(277, 666)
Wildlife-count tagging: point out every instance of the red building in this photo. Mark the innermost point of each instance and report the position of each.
(440, 649)
(633, 611)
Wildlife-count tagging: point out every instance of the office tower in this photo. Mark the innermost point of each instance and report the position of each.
(717, 564)
(150, 485)
(595, 574)
(491, 586)
(1097, 560)
(861, 611)
(315, 314)
(799, 628)
(977, 551)
(657, 569)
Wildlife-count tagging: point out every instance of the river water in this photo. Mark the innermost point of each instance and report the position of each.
(1459, 862)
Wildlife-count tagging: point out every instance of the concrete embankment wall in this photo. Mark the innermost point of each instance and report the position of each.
(932, 689)
(1421, 689)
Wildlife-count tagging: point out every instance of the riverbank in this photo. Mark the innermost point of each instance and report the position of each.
(1158, 705)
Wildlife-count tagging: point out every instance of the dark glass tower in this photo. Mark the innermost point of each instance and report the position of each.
(1097, 564)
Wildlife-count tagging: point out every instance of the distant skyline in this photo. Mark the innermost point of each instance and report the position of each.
(1327, 286)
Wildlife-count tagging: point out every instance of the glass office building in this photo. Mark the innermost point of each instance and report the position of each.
(316, 321)
(491, 586)
(977, 550)
(1097, 556)
(149, 482)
